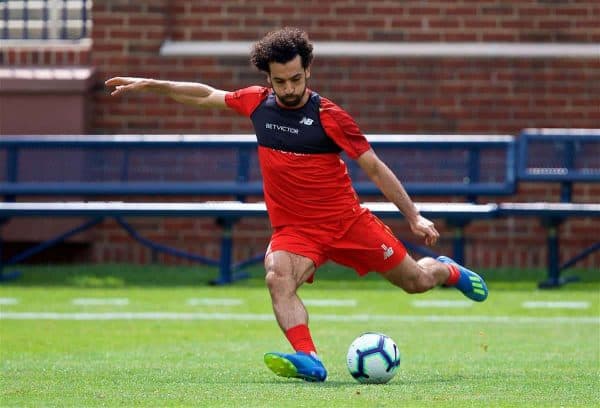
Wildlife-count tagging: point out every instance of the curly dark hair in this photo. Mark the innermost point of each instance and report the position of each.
(282, 46)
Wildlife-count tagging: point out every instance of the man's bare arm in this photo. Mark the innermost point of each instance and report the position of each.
(393, 190)
(190, 93)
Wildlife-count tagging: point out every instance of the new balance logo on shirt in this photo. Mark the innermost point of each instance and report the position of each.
(306, 121)
(387, 251)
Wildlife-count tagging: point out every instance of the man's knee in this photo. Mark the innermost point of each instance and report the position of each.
(285, 272)
(276, 278)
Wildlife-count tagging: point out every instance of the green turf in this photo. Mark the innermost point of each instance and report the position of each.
(507, 356)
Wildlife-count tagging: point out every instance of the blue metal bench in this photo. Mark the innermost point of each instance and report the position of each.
(229, 210)
(438, 165)
(225, 167)
(564, 156)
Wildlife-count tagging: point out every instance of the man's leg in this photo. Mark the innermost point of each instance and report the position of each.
(418, 277)
(427, 273)
(285, 272)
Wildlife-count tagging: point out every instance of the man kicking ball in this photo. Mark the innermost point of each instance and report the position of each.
(314, 211)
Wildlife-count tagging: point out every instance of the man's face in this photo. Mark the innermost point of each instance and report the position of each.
(289, 82)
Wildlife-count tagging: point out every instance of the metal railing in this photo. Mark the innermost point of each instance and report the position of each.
(45, 19)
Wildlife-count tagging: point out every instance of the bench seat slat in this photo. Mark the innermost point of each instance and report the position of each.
(226, 209)
(542, 209)
(133, 188)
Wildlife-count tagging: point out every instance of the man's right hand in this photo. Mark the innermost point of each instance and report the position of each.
(127, 84)
(425, 228)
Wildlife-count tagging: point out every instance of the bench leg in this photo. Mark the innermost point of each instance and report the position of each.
(10, 275)
(553, 244)
(458, 240)
(4, 277)
(45, 245)
(226, 273)
(458, 245)
(156, 247)
(583, 254)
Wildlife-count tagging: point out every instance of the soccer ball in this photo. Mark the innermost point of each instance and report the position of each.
(373, 358)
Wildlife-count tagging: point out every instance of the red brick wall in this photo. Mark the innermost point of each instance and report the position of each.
(385, 95)
(374, 20)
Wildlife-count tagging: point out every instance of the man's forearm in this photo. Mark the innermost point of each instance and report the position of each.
(191, 93)
(184, 89)
(393, 190)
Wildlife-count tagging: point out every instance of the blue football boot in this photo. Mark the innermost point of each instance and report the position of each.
(470, 284)
(297, 365)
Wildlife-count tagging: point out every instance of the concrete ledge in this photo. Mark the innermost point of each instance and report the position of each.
(44, 80)
(392, 49)
(44, 100)
(84, 44)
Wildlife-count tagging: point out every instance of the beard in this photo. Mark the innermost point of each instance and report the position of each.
(291, 100)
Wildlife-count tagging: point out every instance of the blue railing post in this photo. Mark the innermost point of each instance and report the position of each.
(12, 170)
(83, 19)
(5, 18)
(64, 32)
(45, 22)
(25, 33)
(124, 174)
(566, 187)
(474, 163)
(243, 170)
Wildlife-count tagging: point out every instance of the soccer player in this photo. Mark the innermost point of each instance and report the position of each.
(313, 209)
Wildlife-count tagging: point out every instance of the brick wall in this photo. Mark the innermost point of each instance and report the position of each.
(375, 20)
(385, 95)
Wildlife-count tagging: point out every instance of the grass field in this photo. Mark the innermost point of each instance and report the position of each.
(119, 335)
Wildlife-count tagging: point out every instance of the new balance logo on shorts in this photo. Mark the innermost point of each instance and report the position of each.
(306, 121)
(387, 251)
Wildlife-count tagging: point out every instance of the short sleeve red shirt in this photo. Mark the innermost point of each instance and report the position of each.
(305, 181)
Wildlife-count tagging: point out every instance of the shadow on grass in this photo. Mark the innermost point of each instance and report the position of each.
(330, 276)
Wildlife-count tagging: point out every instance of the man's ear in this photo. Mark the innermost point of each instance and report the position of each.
(307, 72)
(269, 79)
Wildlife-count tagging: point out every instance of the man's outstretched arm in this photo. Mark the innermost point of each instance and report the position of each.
(190, 93)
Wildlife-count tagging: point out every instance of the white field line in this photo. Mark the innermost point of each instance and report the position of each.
(330, 302)
(317, 317)
(8, 301)
(442, 303)
(100, 301)
(556, 305)
(214, 302)
(238, 302)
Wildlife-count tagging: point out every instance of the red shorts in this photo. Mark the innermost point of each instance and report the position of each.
(363, 243)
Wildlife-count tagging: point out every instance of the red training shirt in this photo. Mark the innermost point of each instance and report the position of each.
(304, 179)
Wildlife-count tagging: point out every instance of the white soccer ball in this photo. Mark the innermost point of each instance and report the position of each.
(373, 358)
